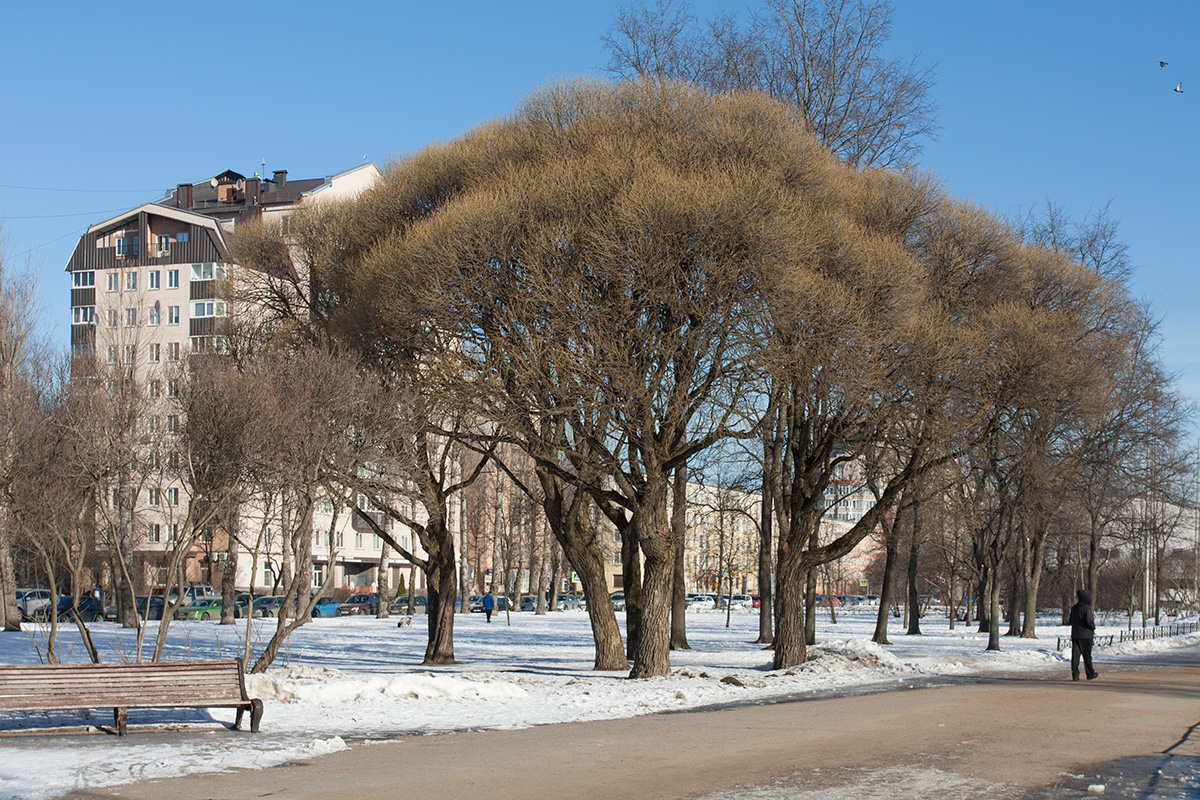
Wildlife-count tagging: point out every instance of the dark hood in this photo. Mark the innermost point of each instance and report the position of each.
(1085, 597)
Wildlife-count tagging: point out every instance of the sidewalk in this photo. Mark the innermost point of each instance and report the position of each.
(1021, 732)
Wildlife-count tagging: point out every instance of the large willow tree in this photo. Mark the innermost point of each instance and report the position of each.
(623, 269)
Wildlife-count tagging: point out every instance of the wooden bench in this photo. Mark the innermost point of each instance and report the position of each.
(179, 684)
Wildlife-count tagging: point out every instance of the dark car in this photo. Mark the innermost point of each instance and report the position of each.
(528, 603)
(149, 607)
(268, 606)
(241, 605)
(501, 604)
(361, 604)
(89, 609)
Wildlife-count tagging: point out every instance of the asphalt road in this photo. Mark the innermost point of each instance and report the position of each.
(1019, 737)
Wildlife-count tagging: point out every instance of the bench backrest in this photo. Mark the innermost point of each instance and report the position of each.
(153, 685)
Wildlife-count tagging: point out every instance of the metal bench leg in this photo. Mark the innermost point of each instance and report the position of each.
(121, 720)
(237, 720)
(256, 711)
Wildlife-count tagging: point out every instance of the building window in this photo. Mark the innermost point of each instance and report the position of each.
(83, 315)
(154, 353)
(164, 244)
(155, 389)
(181, 237)
(172, 351)
(152, 426)
(129, 353)
(209, 271)
(172, 460)
(341, 540)
(154, 532)
(173, 496)
(114, 281)
(112, 318)
(358, 541)
(131, 281)
(173, 423)
(112, 354)
(174, 532)
(375, 542)
(153, 498)
(122, 246)
(83, 279)
(208, 308)
(172, 387)
(155, 315)
(130, 317)
(172, 279)
(155, 279)
(172, 315)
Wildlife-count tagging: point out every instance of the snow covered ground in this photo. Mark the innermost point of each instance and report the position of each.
(348, 682)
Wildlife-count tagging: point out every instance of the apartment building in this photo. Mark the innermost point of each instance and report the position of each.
(144, 294)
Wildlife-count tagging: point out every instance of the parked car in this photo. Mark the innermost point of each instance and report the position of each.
(30, 600)
(241, 604)
(528, 603)
(618, 601)
(191, 593)
(269, 606)
(149, 607)
(567, 602)
(205, 608)
(326, 607)
(89, 609)
(741, 601)
(477, 605)
(701, 601)
(755, 601)
(361, 604)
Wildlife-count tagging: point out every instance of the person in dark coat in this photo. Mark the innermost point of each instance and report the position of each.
(489, 604)
(1083, 629)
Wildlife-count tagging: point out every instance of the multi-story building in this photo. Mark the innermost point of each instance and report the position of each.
(144, 293)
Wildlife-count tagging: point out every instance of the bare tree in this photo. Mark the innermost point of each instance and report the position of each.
(824, 57)
(21, 351)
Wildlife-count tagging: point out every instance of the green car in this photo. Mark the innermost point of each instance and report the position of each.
(203, 608)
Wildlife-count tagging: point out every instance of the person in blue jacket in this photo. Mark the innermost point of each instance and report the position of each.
(489, 605)
(1083, 629)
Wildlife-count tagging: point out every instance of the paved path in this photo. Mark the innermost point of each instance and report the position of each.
(957, 741)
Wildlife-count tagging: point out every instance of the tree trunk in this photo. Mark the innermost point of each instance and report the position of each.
(443, 579)
(810, 606)
(890, 564)
(384, 581)
(8, 584)
(651, 650)
(914, 588)
(679, 580)
(1033, 582)
(766, 546)
(790, 638)
(229, 574)
(631, 584)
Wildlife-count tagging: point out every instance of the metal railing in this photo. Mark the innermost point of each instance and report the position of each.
(1135, 635)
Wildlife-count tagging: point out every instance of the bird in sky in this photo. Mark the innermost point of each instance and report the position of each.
(1162, 64)
(1179, 87)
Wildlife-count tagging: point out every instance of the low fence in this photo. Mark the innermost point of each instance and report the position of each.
(1137, 634)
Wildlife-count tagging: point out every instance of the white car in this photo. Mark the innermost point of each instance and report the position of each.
(702, 601)
(30, 600)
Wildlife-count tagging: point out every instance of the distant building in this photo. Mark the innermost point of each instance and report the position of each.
(145, 292)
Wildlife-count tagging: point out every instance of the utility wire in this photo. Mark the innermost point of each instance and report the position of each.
(83, 191)
(61, 216)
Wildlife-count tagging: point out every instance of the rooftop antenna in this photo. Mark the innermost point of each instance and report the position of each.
(264, 168)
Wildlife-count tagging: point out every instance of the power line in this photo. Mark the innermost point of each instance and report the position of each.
(84, 191)
(61, 216)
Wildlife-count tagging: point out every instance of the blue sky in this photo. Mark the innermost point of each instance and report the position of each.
(1059, 101)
